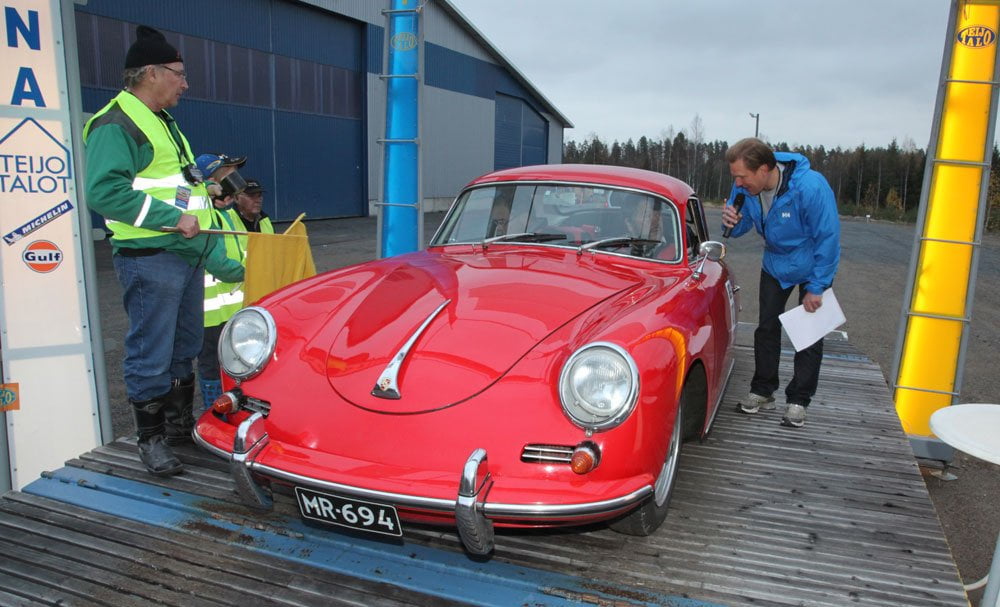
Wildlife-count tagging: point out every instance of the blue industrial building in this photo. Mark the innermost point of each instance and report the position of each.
(296, 87)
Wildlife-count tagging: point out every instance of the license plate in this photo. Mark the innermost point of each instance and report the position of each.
(348, 512)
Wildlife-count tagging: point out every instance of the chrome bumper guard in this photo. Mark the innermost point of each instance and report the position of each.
(249, 440)
(474, 529)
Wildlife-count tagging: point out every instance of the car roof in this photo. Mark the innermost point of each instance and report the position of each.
(597, 174)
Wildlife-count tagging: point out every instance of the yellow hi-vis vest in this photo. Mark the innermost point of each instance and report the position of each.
(163, 175)
(223, 299)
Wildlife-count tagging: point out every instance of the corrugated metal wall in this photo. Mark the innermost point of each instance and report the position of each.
(286, 89)
(460, 137)
(326, 165)
(458, 116)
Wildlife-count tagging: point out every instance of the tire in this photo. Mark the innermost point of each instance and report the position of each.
(648, 516)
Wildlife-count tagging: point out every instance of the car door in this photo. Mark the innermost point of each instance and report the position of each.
(716, 287)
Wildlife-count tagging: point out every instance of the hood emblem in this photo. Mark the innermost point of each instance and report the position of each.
(386, 386)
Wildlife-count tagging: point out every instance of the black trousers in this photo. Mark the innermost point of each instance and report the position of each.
(767, 347)
(208, 360)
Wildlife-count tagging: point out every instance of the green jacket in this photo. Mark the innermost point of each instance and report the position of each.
(223, 299)
(135, 159)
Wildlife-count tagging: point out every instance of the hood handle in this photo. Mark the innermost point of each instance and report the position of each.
(387, 385)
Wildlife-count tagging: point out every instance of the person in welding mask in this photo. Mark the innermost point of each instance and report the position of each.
(222, 298)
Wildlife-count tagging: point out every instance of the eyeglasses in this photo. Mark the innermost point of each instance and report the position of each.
(181, 74)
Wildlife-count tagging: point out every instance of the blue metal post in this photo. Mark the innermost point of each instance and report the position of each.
(401, 206)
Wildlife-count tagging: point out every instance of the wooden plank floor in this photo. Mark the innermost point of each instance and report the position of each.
(835, 513)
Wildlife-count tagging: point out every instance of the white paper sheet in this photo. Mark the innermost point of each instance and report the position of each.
(806, 328)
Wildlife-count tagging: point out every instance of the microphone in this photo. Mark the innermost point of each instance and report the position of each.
(738, 205)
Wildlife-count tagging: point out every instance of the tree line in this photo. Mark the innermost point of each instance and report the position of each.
(884, 182)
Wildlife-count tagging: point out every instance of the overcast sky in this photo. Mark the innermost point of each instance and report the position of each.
(838, 73)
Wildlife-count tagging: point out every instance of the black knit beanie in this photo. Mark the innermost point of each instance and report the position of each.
(150, 48)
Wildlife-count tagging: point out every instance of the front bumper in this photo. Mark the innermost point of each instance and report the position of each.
(473, 514)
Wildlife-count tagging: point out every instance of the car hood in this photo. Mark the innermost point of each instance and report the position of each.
(480, 312)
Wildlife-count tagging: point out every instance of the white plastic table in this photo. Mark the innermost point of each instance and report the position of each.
(975, 429)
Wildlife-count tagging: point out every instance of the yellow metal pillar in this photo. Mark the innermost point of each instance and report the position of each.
(938, 302)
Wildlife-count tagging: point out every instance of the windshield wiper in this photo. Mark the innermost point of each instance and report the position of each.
(524, 237)
(617, 241)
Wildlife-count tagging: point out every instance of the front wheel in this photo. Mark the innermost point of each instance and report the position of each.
(648, 517)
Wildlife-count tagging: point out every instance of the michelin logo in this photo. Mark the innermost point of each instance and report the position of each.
(55, 212)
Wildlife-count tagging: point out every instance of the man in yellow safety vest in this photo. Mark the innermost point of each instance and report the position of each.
(142, 178)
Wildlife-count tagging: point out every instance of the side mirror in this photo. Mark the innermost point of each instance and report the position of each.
(712, 250)
(709, 250)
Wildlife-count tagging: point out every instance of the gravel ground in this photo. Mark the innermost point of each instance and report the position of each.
(869, 285)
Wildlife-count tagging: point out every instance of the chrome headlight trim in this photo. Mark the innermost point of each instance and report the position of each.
(585, 415)
(237, 363)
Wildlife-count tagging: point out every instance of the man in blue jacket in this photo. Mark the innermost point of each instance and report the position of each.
(793, 208)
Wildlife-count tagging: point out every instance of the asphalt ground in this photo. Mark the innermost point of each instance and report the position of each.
(870, 285)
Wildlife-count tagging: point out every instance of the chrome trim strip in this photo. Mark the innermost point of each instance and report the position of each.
(537, 453)
(256, 405)
(222, 453)
(547, 448)
(387, 385)
(718, 401)
(491, 509)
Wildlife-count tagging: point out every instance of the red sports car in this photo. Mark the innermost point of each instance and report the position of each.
(540, 364)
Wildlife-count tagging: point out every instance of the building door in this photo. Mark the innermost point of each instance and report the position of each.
(521, 134)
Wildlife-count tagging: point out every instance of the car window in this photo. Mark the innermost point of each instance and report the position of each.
(651, 221)
(695, 226)
(470, 218)
(564, 215)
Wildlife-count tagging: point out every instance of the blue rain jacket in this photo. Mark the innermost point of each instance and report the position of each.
(802, 229)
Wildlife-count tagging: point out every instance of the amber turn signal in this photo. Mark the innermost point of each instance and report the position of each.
(226, 403)
(585, 458)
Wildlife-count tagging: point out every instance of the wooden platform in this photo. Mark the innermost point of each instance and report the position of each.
(832, 514)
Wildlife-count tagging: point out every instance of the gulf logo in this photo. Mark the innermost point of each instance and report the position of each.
(977, 36)
(42, 256)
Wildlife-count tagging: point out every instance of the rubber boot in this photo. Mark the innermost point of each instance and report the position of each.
(154, 452)
(177, 418)
(211, 389)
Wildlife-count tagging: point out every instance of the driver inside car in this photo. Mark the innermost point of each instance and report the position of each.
(645, 220)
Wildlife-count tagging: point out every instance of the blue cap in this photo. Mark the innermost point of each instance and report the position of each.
(209, 163)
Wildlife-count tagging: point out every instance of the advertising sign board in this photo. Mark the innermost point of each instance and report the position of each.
(46, 341)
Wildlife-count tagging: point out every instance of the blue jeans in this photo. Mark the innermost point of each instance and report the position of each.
(164, 301)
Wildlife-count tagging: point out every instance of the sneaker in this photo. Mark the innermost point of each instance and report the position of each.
(795, 416)
(755, 402)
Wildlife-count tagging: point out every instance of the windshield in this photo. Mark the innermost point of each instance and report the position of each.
(632, 223)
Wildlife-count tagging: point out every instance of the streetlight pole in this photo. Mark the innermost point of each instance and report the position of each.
(756, 124)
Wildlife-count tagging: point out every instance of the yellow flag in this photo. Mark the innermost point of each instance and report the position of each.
(276, 260)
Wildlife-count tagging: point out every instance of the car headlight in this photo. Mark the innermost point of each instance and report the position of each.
(598, 386)
(247, 342)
